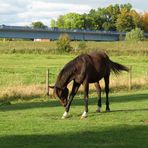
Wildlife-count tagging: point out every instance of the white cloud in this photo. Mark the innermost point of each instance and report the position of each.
(23, 12)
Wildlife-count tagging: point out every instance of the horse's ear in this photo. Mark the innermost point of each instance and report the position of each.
(51, 87)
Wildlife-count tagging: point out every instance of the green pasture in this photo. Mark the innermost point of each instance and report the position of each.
(37, 123)
(27, 69)
(26, 62)
(31, 120)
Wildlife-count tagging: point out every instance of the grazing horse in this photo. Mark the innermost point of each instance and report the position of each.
(85, 69)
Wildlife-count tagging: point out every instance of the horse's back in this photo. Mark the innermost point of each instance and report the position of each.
(98, 56)
(92, 66)
(100, 60)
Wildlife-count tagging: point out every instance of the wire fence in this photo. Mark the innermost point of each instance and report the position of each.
(20, 83)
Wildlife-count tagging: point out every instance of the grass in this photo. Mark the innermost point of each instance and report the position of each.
(38, 123)
(29, 68)
(114, 48)
(28, 119)
(23, 47)
(23, 75)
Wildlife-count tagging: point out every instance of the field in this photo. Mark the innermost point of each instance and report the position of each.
(30, 119)
(23, 75)
(38, 123)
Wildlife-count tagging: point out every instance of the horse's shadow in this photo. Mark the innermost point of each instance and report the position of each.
(114, 136)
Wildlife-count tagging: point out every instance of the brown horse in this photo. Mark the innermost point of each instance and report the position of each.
(85, 69)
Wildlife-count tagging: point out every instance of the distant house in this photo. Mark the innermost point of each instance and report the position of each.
(41, 40)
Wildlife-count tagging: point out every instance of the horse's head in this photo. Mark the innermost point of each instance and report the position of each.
(62, 94)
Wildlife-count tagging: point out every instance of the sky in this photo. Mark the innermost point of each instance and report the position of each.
(24, 12)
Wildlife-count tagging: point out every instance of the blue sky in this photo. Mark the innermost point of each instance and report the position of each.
(23, 12)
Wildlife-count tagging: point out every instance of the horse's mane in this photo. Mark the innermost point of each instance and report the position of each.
(67, 71)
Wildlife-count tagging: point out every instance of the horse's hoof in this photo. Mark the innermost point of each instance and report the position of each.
(98, 110)
(107, 110)
(84, 115)
(65, 115)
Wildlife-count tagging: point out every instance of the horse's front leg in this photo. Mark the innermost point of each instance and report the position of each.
(86, 90)
(71, 96)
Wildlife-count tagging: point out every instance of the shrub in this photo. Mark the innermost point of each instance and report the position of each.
(63, 44)
(135, 35)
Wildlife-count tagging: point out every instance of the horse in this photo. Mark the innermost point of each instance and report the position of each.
(85, 69)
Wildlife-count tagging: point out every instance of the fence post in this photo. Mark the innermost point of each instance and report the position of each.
(47, 82)
(130, 78)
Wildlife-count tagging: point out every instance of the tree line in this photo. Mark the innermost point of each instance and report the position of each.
(116, 17)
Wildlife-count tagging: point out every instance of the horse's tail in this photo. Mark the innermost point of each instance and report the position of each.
(117, 68)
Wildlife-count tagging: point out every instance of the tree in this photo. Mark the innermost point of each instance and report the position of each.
(70, 21)
(127, 6)
(137, 19)
(111, 12)
(145, 21)
(97, 18)
(88, 21)
(53, 23)
(73, 21)
(124, 21)
(135, 35)
(60, 21)
(114, 17)
(107, 26)
(38, 25)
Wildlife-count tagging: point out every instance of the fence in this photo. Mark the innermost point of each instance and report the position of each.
(17, 83)
(130, 79)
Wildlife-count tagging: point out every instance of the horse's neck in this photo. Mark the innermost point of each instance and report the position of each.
(63, 79)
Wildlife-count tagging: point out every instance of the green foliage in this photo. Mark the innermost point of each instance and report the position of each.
(53, 23)
(73, 21)
(68, 21)
(60, 22)
(145, 21)
(111, 13)
(63, 44)
(124, 22)
(38, 25)
(107, 26)
(137, 19)
(135, 35)
(98, 19)
(114, 18)
(127, 6)
(89, 22)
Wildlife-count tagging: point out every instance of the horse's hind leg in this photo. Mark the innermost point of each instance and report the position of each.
(98, 89)
(106, 79)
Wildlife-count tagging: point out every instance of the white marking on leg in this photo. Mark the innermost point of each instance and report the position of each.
(65, 115)
(84, 115)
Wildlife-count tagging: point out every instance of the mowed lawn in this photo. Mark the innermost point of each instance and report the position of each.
(37, 123)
